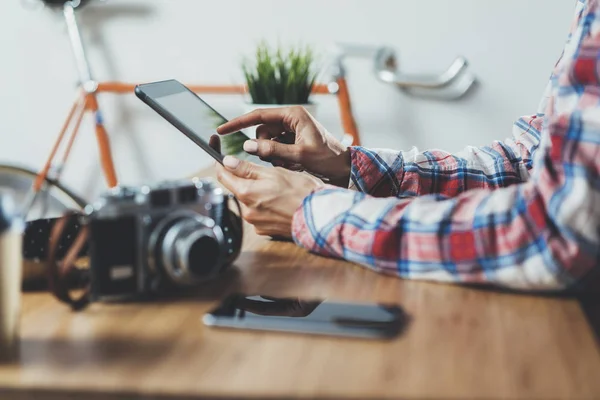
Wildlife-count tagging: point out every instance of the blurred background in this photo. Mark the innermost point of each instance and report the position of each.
(511, 46)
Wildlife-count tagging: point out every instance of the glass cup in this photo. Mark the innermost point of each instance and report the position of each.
(11, 264)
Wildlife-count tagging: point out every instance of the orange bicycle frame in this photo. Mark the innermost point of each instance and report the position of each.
(88, 102)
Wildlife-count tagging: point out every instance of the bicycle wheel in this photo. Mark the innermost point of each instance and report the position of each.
(55, 199)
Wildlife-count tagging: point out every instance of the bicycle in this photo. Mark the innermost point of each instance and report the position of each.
(57, 198)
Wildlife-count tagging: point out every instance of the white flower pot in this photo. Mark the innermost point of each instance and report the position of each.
(248, 107)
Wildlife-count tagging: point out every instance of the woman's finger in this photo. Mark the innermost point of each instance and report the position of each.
(271, 149)
(256, 117)
(286, 117)
(234, 184)
(215, 143)
(242, 169)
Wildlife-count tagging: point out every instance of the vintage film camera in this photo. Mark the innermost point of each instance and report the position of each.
(158, 238)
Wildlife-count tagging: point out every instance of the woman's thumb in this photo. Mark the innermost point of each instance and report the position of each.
(267, 149)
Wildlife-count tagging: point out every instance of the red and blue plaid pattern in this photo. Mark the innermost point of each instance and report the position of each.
(521, 214)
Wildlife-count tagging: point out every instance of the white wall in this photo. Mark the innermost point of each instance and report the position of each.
(511, 46)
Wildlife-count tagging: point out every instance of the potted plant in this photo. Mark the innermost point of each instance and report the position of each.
(280, 77)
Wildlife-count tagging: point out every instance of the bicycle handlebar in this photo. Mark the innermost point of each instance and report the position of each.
(385, 67)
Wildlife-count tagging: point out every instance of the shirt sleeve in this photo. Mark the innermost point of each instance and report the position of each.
(382, 172)
(542, 234)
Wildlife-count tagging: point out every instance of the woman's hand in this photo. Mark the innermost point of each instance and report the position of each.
(291, 138)
(269, 196)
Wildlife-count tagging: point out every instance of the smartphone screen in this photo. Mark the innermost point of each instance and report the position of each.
(311, 316)
(195, 118)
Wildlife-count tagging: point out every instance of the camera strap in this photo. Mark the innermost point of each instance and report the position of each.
(37, 237)
(236, 221)
(57, 244)
(60, 270)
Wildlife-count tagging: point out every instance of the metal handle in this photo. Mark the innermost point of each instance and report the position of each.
(386, 70)
(452, 83)
(459, 87)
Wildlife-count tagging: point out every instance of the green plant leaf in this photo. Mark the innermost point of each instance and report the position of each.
(280, 76)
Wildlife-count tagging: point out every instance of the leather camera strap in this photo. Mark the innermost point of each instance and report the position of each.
(59, 270)
(36, 237)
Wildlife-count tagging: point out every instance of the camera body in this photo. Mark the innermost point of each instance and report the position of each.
(153, 239)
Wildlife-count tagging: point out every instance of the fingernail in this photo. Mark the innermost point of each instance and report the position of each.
(231, 162)
(250, 146)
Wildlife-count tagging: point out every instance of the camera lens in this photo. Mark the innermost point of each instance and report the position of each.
(203, 253)
(188, 248)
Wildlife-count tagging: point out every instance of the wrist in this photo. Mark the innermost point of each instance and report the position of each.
(301, 233)
(340, 175)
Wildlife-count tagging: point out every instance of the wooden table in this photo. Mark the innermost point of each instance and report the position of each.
(462, 343)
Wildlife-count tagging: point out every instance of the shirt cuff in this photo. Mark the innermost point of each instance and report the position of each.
(365, 173)
(301, 232)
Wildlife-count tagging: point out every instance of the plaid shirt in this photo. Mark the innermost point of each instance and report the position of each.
(521, 214)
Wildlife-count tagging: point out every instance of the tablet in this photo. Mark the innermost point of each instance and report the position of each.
(193, 117)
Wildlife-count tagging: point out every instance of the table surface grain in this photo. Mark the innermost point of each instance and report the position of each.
(460, 342)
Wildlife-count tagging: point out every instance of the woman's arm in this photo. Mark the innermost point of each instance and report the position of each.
(542, 234)
(383, 173)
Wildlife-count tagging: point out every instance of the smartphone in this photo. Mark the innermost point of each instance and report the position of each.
(191, 115)
(308, 316)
